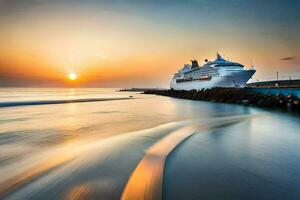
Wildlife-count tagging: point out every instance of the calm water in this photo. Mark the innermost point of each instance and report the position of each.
(90, 150)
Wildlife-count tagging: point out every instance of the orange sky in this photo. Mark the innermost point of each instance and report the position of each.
(120, 46)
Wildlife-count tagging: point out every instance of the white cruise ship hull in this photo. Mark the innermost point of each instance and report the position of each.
(237, 79)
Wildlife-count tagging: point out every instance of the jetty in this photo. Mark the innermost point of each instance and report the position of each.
(295, 83)
(244, 96)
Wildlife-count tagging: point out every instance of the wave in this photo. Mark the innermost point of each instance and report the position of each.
(62, 101)
(49, 172)
(146, 181)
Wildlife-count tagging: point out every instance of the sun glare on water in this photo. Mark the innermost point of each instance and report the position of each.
(72, 76)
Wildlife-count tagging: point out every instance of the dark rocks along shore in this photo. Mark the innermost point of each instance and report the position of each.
(235, 95)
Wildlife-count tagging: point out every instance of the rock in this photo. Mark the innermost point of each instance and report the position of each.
(234, 95)
(260, 102)
(289, 106)
(296, 102)
(246, 102)
(280, 101)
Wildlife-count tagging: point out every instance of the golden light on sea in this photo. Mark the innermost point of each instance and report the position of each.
(72, 76)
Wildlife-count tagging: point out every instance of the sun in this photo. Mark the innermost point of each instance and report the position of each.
(72, 76)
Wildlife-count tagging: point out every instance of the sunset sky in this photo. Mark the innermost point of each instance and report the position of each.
(141, 43)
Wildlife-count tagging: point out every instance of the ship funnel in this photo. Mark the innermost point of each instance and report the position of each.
(219, 57)
(194, 64)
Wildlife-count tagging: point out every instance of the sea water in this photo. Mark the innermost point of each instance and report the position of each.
(63, 149)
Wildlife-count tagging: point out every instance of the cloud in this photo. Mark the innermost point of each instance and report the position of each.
(102, 55)
(288, 58)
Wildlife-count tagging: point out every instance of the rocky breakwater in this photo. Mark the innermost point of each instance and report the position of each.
(235, 95)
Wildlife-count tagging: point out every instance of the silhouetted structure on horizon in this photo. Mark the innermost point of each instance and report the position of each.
(276, 83)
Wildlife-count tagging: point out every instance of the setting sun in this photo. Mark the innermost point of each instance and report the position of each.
(72, 76)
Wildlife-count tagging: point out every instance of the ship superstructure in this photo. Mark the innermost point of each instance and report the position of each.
(217, 73)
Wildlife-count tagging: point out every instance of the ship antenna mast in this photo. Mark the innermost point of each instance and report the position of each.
(252, 64)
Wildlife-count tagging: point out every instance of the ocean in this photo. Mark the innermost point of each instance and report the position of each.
(95, 143)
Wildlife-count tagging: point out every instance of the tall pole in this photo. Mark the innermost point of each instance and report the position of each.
(277, 75)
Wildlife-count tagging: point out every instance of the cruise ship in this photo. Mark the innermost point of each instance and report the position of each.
(217, 73)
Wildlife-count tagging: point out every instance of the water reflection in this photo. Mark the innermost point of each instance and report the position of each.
(255, 159)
